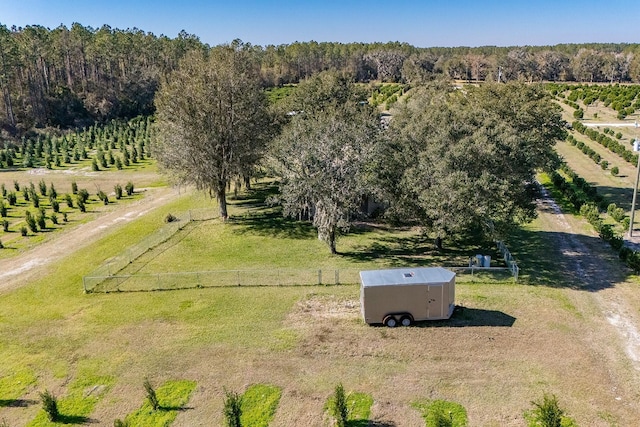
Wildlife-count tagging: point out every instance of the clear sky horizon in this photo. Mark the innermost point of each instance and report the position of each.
(419, 23)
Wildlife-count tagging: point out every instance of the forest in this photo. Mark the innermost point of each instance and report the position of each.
(69, 78)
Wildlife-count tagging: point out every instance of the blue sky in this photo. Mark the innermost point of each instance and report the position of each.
(420, 23)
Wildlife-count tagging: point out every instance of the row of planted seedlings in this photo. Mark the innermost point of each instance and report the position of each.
(586, 201)
(258, 404)
(32, 209)
(117, 144)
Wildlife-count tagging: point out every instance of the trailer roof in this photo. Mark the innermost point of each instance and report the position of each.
(406, 276)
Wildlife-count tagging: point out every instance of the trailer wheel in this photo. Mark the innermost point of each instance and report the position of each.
(406, 320)
(390, 321)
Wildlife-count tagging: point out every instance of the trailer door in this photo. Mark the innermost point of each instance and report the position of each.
(435, 302)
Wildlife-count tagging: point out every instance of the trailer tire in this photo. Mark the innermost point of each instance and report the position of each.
(390, 321)
(406, 320)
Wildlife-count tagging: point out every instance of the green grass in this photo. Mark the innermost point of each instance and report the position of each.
(172, 395)
(454, 411)
(14, 382)
(76, 406)
(259, 404)
(359, 405)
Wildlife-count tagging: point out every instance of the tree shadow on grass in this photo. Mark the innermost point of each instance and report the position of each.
(16, 403)
(174, 408)
(74, 419)
(419, 250)
(565, 260)
(272, 223)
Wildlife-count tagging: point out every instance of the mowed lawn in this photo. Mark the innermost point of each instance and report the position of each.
(510, 344)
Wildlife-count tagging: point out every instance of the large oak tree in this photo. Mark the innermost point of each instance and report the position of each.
(213, 120)
(325, 153)
(464, 160)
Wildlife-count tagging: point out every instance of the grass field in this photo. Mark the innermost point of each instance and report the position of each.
(512, 343)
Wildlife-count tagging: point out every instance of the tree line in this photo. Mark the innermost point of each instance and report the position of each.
(70, 77)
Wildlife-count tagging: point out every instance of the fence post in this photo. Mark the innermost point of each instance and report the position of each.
(319, 277)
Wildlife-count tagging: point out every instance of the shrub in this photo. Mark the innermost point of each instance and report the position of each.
(232, 408)
(615, 171)
(3, 190)
(31, 222)
(151, 395)
(23, 231)
(120, 423)
(83, 195)
(43, 187)
(547, 413)
(53, 194)
(339, 408)
(64, 217)
(117, 189)
(16, 185)
(94, 165)
(35, 199)
(170, 218)
(50, 405)
(1, 245)
(74, 187)
(5, 225)
(619, 135)
(103, 197)
(604, 165)
(129, 188)
(81, 206)
(55, 205)
(3, 209)
(54, 218)
(41, 220)
(578, 114)
(69, 200)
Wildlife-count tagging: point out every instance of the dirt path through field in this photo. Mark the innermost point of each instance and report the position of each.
(19, 270)
(601, 293)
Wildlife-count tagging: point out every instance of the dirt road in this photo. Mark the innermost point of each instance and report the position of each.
(19, 270)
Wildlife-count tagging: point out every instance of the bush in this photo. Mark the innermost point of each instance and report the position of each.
(55, 205)
(3, 209)
(548, 413)
(604, 165)
(31, 222)
(83, 195)
(117, 189)
(170, 218)
(12, 198)
(50, 405)
(129, 188)
(81, 206)
(151, 395)
(69, 200)
(1, 245)
(43, 187)
(23, 231)
(120, 423)
(5, 225)
(339, 408)
(232, 408)
(74, 187)
(578, 114)
(615, 171)
(54, 218)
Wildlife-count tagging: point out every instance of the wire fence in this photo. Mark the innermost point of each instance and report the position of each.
(257, 278)
(108, 277)
(116, 264)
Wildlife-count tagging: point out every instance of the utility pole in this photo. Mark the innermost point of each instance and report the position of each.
(636, 149)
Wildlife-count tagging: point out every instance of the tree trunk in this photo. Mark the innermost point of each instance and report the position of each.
(438, 243)
(332, 242)
(221, 195)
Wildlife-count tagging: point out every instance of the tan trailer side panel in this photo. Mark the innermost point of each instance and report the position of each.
(378, 301)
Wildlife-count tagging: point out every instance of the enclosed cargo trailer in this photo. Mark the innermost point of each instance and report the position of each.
(402, 296)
